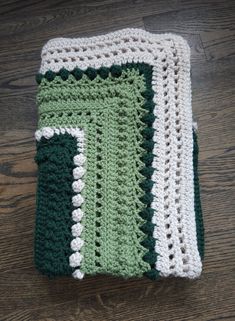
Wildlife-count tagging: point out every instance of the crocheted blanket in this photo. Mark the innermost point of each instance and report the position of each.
(118, 189)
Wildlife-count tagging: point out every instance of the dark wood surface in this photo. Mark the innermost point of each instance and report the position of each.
(209, 27)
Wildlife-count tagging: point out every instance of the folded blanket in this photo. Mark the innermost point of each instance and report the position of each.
(118, 189)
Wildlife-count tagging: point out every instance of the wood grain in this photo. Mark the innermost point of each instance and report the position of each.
(25, 294)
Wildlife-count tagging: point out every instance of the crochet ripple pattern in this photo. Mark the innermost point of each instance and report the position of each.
(116, 158)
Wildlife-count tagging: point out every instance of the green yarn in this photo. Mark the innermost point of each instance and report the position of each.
(148, 119)
(91, 73)
(147, 213)
(64, 74)
(149, 243)
(148, 94)
(103, 72)
(148, 132)
(116, 71)
(58, 99)
(50, 75)
(147, 198)
(39, 78)
(53, 218)
(149, 105)
(77, 73)
(197, 206)
(147, 171)
(148, 228)
(146, 185)
(150, 257)
(147, 158)
(110, 111)
(148, 145)
(153, 274)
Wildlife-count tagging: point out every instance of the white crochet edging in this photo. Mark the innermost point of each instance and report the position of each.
(173, 190)
(77, 243)
(175, 230)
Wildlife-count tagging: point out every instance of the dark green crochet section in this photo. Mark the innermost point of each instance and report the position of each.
(198, 207)
(54, 207)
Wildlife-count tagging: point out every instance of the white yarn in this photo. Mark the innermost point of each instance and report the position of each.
(78, 172)
(79, 160)
(76, 244)
(47, 132)
(77, 215)
(195, 127)
(77, 200)
(75, 259)
(173, 190)
(78, 186)
(77, 229)
(77, 274)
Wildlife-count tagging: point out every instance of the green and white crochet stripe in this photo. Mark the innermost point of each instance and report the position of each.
(118, 190)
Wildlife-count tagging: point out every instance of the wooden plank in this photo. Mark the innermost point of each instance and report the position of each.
(103, 298)
(212, 22)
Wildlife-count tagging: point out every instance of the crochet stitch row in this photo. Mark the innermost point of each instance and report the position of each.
(129, 92)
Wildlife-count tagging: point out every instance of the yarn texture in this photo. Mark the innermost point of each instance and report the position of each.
(118, 189)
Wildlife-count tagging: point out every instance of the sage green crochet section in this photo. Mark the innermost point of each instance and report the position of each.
(53, 217)
(110, 111)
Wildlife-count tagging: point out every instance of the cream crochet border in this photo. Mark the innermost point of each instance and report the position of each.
(77, 243)
(169, 55)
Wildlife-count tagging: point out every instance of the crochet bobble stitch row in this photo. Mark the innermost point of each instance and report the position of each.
(175, 230)
(103, 72)
(77, 186)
